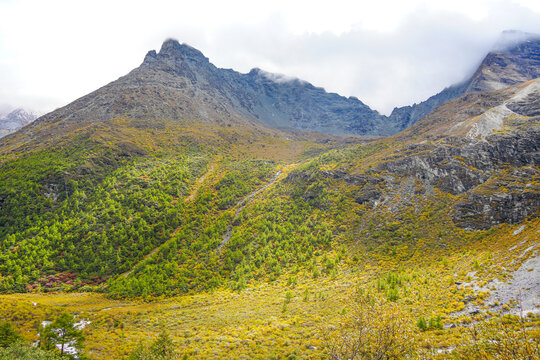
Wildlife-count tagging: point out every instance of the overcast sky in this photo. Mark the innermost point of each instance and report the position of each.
(385, 52)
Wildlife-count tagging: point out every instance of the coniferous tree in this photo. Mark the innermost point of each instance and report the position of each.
(63, 331)
(161, 349)
(8, 335)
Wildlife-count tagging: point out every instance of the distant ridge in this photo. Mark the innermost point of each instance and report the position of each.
(15, 120)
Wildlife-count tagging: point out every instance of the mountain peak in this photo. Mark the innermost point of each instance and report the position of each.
(172, 54)
(171, 47)
(511, 38)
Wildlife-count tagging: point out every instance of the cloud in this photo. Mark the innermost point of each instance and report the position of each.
(386, 53)
(427, 52)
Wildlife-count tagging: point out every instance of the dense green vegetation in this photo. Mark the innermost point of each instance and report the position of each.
(83, 228)
(8, 335)
(21, 351)
(77, 217)
(191, 259)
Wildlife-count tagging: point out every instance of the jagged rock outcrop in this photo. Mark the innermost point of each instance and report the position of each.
(505, 199)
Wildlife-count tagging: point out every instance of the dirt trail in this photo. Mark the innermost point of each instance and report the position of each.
(242, 204)
(198, 184)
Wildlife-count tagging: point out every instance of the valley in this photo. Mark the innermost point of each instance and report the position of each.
(260, 322)
(188, 200)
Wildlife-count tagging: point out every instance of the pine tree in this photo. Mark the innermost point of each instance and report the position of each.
(63, 330)
(8, 335)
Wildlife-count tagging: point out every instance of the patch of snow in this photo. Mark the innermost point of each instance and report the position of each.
(82, 324)
(69, 348)
(524, 287)
(45, 323)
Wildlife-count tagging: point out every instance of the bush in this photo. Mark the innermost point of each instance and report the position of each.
(373, 329)
(422, 324)
(435, 323)
(500, 339)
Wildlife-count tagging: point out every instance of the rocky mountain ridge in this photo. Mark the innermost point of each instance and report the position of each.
(515, 59)
(179, 83)
(481, 148)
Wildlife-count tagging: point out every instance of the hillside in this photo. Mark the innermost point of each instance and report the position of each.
(180, 196)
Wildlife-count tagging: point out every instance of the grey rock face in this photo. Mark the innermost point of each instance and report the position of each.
(269, 98)
(473, 169)
(180, 83)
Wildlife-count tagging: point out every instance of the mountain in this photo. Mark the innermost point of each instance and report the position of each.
(515, 59)
(15, 120)
(187, 181)
(179, 84)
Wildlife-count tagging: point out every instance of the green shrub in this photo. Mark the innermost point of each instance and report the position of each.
(422, 323)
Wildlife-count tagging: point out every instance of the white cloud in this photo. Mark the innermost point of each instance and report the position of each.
(387, 53)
